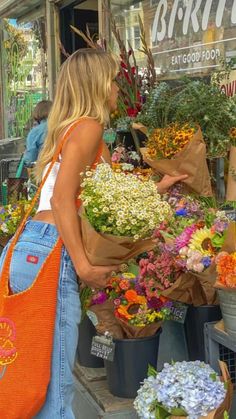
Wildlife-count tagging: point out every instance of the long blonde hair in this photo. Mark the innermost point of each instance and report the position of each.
(83, 89)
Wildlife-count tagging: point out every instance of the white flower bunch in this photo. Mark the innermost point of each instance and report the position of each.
(122, 204)
(192, 388)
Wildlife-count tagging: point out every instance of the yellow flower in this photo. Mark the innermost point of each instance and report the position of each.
(201, 240)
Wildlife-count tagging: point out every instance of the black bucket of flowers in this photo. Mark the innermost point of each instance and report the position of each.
(130, 365)
(134, 323)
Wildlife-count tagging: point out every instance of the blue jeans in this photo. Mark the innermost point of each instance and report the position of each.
(34, 245)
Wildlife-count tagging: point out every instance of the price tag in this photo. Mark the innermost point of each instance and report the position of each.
(92, 316)
(103, 347)
(178, 312)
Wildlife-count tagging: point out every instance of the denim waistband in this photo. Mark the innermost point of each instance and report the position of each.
(41, 228)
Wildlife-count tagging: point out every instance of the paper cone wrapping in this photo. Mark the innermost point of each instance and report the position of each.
(231, 183)
(226, 405)
(140, 127)
(106, 320)
(119, 329)
(191, 161)
(135, 332)
(106, 249)
(196, 289)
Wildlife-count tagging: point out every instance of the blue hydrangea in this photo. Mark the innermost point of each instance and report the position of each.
(192, 386)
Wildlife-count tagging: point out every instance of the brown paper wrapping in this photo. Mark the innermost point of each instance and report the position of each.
(191, 161)
(231, 182)
(119, 329)
(140, 127)
(135, 332)
(107, 322)
(106, 249)
(226, 405)
(191, 288)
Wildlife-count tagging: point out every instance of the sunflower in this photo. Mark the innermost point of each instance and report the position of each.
(201, 241)
(134, 302)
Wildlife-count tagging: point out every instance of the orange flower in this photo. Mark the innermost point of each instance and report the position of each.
(132, 297)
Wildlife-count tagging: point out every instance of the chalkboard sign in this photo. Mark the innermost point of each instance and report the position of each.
(178, 312)
(103, 347)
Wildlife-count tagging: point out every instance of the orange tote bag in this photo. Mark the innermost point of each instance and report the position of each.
(27, 324)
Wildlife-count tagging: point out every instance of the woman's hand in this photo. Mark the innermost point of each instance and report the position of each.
(96, 276)
(168, 181)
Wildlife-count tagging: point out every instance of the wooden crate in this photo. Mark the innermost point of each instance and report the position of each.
(93, 399)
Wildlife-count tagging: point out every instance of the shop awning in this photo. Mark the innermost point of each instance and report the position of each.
(22, 9)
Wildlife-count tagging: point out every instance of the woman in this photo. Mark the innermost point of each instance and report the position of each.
(36, 136)
(86, 94)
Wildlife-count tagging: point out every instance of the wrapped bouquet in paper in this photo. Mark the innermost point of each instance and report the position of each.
(178, 150)
(118, 216)
(185, 389)
(231, 181)
(125, 310)
(182, 267)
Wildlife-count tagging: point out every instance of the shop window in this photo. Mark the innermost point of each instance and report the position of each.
(133, 36)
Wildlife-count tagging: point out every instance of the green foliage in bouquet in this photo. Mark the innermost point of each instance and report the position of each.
(206, 105)
(193, 101)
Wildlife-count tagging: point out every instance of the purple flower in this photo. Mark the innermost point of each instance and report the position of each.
(220, 226)
(99, 298)
(206, 261)
(155, 303)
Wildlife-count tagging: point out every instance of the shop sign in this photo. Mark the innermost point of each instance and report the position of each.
(196, 13)
(229, 87)
(103, 347)
(178, 312)
(191, 34)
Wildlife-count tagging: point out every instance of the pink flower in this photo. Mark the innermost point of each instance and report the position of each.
(185, 236)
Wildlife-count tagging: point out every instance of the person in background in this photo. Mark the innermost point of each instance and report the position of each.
(36, 136)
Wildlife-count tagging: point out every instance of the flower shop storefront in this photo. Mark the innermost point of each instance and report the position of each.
(185, 37)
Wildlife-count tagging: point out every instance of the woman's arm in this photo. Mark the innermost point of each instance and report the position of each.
(78, 153)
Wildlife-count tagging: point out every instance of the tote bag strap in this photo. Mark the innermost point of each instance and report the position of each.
(6, 265)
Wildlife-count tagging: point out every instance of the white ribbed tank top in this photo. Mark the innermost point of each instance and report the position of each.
(48, 187)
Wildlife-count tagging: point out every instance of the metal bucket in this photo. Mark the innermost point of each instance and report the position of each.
(228, 308)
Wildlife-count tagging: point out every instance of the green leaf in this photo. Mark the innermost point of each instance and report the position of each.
(218, 240)
(213, 376)
(161, 412)
(133, 268)
(178, 411)
(151, 371)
